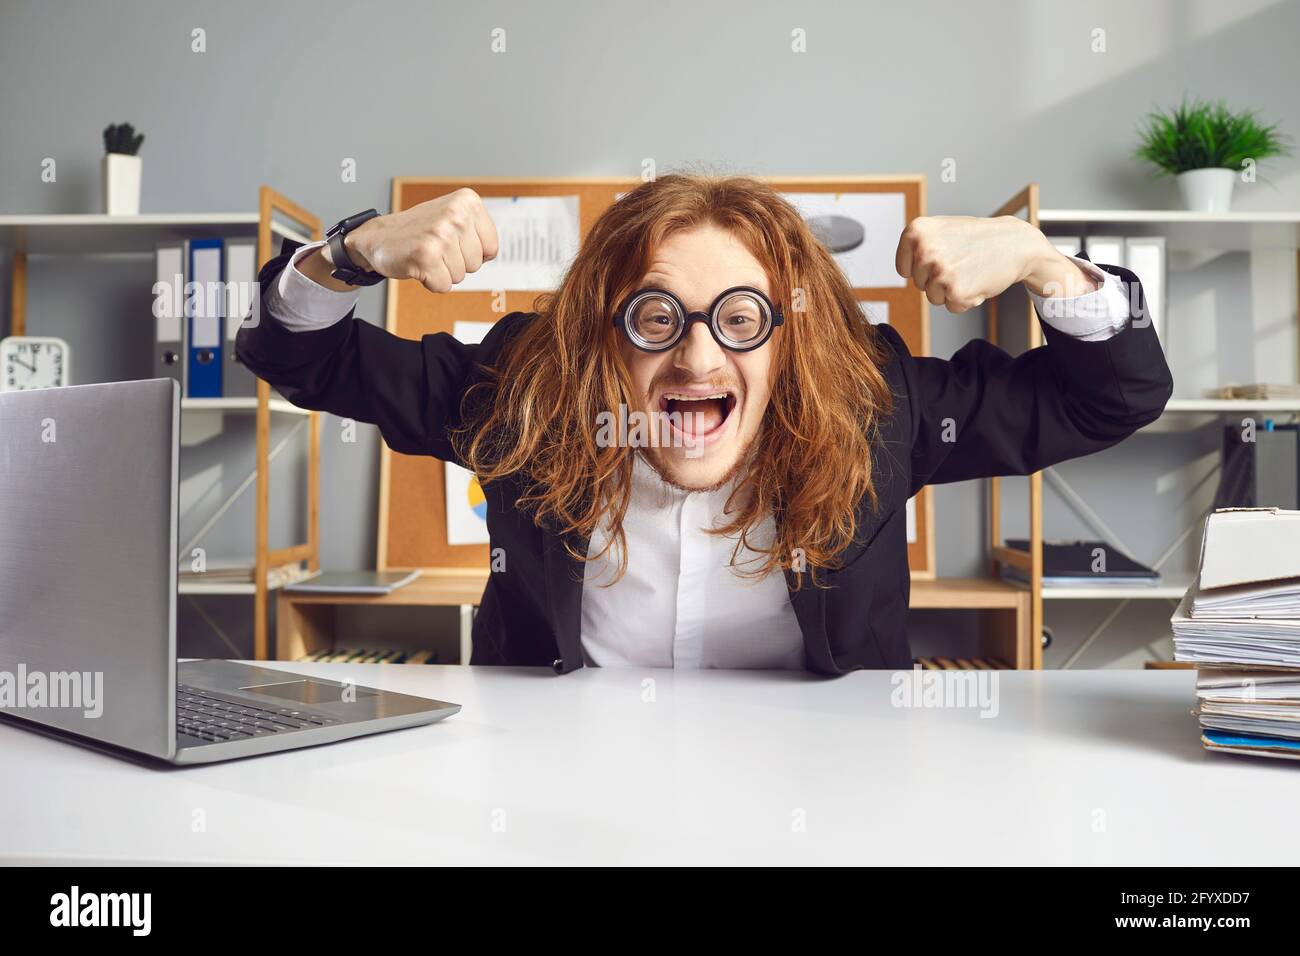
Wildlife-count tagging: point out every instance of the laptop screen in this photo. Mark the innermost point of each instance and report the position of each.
(87, 560)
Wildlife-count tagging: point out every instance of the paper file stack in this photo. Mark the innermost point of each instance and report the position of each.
(1262, 391)
(1251, 712)
(1240, 624)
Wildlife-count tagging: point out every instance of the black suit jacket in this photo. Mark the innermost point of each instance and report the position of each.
(1009, 416)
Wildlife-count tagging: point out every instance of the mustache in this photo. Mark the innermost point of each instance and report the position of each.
(665, 382)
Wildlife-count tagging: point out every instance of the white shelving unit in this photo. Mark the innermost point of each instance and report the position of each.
(1189, 231)
(1230, 405)
(1271, 239)
(1173, 585)
(26, 236)
(1184, 413)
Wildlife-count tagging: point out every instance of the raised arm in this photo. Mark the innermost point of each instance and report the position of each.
(307, 343)
(1100, 376)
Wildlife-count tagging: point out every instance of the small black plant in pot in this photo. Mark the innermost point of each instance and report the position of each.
(122, 167)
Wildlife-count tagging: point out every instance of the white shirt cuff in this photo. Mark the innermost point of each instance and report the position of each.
(1092, 317)
(303, 305)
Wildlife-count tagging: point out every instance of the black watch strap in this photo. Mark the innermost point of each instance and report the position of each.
(345, 270)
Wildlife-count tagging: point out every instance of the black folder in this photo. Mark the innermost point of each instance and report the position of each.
(1072, 562)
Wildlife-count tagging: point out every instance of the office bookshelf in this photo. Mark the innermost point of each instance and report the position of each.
(34, 236)
(1187, 234)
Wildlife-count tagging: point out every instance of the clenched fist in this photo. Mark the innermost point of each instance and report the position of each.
(436, 243)
(959, 261)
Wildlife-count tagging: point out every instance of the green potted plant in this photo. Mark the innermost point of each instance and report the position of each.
(121, 168)
(1205, 146)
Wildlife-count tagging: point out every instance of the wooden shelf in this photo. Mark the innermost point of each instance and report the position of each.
(436, 587)
(1005, 621)
(965, 593)
(305, 621)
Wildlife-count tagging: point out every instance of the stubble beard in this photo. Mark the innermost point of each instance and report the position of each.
(743, 461)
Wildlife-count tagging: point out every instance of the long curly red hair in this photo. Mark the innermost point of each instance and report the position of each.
(812, 461)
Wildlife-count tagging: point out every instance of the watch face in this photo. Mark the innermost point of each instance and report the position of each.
(28, 362)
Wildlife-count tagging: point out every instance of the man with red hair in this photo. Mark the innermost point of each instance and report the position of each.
(760, 520)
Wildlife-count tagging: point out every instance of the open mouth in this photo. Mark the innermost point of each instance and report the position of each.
(698, 415)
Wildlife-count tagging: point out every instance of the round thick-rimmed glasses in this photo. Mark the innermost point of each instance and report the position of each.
(741, 319)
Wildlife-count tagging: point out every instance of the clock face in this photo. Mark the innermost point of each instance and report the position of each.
(29, 362)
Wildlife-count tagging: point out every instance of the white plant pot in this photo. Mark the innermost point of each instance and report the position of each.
(121, 184)
(1206, 190)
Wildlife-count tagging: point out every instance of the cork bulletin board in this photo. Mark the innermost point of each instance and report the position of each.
(412, 504)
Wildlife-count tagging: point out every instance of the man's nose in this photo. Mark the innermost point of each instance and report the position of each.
(698, 353)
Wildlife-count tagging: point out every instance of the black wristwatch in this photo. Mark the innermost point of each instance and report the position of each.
(345, 270)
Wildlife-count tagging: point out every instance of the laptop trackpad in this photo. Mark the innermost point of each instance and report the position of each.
(305, 691)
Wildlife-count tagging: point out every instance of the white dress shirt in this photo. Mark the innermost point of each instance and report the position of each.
(680, 604)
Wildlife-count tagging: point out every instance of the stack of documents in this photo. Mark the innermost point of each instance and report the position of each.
(238, 571)
(1240, 623)
(1258, 625)
(1250, 712)
(1261, 391)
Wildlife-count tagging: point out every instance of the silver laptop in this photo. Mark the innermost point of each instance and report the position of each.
(88, 555)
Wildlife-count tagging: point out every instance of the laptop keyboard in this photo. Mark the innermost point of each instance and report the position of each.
(216, 719)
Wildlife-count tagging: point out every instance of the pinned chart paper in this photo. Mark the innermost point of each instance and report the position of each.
(538, 238)
(471, 333)
(466, 505)
(860, 229)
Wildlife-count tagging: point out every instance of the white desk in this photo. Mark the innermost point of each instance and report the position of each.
(581, 769)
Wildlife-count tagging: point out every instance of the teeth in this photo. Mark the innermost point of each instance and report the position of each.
(692, 398)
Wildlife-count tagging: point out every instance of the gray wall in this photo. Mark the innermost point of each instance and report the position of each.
(286, 91)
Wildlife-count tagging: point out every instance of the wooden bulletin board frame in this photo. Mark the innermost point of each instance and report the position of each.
(412, 510)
